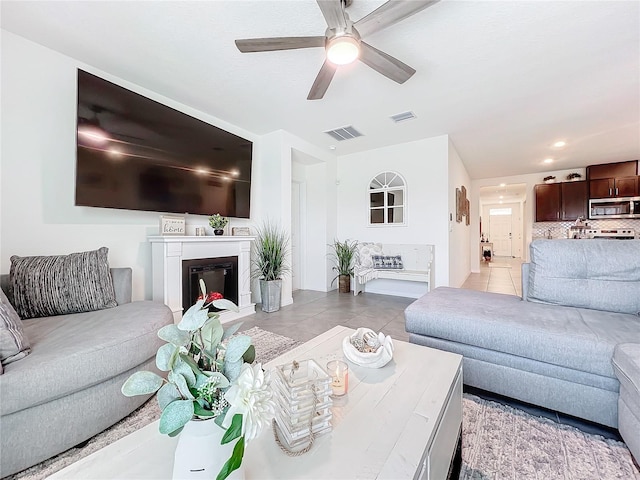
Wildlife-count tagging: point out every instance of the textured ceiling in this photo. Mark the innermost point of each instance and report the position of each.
(503, 79)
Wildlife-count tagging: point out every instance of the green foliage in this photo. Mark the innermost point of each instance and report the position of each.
(142, 383)
(234, 430)
(234, 462)
(271, 248)
(343, 256)
(176, 415)
(217, 221)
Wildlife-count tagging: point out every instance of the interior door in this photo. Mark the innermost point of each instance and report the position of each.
(500, 234)
(295, 236)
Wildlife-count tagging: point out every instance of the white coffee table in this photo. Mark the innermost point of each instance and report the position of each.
(400, 421)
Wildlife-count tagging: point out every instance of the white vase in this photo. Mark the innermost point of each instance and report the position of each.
(199, 454)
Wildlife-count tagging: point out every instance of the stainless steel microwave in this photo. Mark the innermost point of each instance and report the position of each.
(624, 207)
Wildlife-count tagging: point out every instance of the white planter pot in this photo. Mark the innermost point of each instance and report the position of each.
(271, 292)
(199, 454)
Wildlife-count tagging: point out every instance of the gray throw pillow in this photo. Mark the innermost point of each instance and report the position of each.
(62, 284)
(13, 343)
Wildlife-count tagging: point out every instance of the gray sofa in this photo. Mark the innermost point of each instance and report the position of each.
(68, 388)
(561, 345)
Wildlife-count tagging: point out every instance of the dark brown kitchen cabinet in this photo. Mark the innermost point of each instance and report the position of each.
(613, 180)
(561, 201)
(613, 187)
(548, 202)
(573, 200)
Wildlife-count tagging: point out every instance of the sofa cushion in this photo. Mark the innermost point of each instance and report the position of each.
(56, 285)
(626, 363)
(14, 345)
(74, 352)
(576, 338)
(576, 273)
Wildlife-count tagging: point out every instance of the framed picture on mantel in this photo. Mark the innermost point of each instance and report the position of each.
(172, 225)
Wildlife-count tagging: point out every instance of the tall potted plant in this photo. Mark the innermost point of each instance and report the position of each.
(269, 264)
(343, 255)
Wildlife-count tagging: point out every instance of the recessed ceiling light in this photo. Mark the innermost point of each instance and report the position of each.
(501, 197)
(560, 144)
(332, 147)
(548, 160)
(503, 184)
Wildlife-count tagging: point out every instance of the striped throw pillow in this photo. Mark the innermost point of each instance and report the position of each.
(62, 284)
(13, 343)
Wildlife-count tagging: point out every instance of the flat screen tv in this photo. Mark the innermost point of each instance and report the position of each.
(137, 154)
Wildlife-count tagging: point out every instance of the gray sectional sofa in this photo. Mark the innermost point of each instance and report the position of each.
(68, 388)
(570, 344)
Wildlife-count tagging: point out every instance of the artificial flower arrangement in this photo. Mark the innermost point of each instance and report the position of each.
(211, 376)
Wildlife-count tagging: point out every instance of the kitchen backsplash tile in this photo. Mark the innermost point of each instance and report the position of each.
(559, 229)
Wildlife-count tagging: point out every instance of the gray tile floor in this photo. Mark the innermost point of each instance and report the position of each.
(313, 313)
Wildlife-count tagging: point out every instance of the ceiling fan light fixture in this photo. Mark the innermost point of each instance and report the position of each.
(343, 50)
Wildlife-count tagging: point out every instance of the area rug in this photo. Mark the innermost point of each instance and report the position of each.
(500, 442)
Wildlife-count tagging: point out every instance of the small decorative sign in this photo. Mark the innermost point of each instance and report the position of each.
(240, 231)
(170, 225)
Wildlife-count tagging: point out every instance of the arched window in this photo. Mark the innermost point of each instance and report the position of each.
(387, 199)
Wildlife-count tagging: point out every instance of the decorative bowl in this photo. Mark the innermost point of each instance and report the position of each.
(380, 346)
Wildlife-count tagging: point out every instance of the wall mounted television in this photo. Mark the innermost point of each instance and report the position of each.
(134, 153)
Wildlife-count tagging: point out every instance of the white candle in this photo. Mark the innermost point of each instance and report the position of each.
(339, 372)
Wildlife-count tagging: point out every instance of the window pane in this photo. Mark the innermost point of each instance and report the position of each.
(377, 215)
(395, 215)
(500, 211)
(377, 199)
(396, 182)
(395, 197)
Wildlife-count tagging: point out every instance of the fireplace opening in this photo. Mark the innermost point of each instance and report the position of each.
(220, 275)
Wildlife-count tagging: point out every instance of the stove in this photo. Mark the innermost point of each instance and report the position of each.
(612, 233)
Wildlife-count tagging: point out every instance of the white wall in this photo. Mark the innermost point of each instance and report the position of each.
(38, 169)
(459, 233)
(424, 166)
(528, 212)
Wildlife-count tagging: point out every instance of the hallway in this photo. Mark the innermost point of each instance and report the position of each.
(500, 275)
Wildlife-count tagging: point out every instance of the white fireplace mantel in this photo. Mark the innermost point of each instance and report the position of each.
(169, 252)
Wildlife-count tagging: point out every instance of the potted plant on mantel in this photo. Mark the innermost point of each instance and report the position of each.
(343, 255)
(218, 222)
(269, 264)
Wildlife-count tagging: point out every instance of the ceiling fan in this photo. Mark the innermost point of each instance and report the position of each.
(343, 41)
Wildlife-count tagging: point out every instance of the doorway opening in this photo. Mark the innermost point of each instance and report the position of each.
(502, 220)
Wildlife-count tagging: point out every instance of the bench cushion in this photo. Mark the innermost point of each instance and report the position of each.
(575, 338)
(577, 272)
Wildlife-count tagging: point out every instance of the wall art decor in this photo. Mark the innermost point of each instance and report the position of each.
(462, 205)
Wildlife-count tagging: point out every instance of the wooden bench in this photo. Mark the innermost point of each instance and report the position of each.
(417, 260)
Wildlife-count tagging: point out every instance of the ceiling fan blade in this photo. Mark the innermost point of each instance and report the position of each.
(322, 81)
(385, 64)
(389, 13)
(333, 13)
(278, 43)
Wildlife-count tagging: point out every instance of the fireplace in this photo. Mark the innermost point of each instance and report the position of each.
(220, 275)
(168, 253)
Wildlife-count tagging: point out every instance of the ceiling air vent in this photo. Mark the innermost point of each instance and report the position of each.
(401, 117)
(344, 133)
